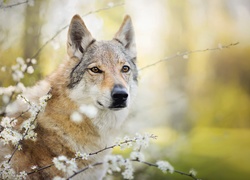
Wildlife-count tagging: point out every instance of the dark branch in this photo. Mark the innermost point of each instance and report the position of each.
(66, 26)
(13, 5)
(27, 130)
(91, 154)
(84, 169)
(176, 171)
(188, 53)
(134, 160)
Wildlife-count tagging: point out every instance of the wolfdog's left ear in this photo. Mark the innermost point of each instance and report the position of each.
(125, 35)
(79, 37)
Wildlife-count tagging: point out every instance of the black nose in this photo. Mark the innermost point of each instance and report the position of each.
(119, 95)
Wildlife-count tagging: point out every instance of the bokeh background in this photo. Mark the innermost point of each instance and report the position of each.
(198, 105)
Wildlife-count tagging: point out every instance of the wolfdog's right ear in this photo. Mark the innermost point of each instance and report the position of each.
(125, 35)
(79, 37)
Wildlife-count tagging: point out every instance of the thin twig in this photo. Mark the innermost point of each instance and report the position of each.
(48, 41)
(40, 169)
(84, 169)
(103, 9)
(100, 163)
(134, 160)
(13, 5)
(176, 171)
(188, 53)
(186, 174)
(93, 153)
(24, 135)
(124, 142)
(27, 130)
(20, 115)
(90, 154)
(66, 26)
(1, 128)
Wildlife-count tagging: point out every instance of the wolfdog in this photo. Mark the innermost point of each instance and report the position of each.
(100, 74)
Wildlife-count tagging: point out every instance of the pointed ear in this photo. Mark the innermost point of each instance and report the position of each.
(126, 37)
(79, 37)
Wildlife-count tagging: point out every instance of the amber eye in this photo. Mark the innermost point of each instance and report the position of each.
(125, 69)
(95, 70)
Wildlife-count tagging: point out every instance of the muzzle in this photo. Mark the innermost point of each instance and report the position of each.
(119, 97)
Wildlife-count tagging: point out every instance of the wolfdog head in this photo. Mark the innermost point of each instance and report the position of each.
(105, 74)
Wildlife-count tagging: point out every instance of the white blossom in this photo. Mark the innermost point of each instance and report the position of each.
(185, 56)
(17, 75)
(32, 135)
(142, 141)
(137, 156)
(7, 90)
(55, 44)
(7, 156)
(30, 69)
(78, 154)
(193, 172)
(3, 68)
(33, 61)
(113, 162)
(71, 166)
(58, 178)
(23, 67)
(165, 166)
(124, 143)
(6, 172)
(43, 101)
(110, 4)
(20, 61)
(22, 175)
(128, 173)
(127, 142)
(120, 142)
(6, 98)
(29, 125)
(8, 122)
(88, 110)
(19, 87)
(9, 135)
(19, 147)
(34, 109)
(220, 46)
(84, 156)
(28, 60)
(18, 69)
(62, 163)
(59, 163)
(76, 117)
(34, 167)
(15, 67)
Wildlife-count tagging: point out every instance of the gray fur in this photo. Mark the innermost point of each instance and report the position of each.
(100, 51)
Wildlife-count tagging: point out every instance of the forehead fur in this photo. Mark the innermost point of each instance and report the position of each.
(103, 52)
(106, 52)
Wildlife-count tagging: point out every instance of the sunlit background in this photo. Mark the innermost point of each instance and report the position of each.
(198, 105)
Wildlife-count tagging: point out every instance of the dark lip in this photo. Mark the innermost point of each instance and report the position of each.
(114, 108)
(100, 103)
(118, 107)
